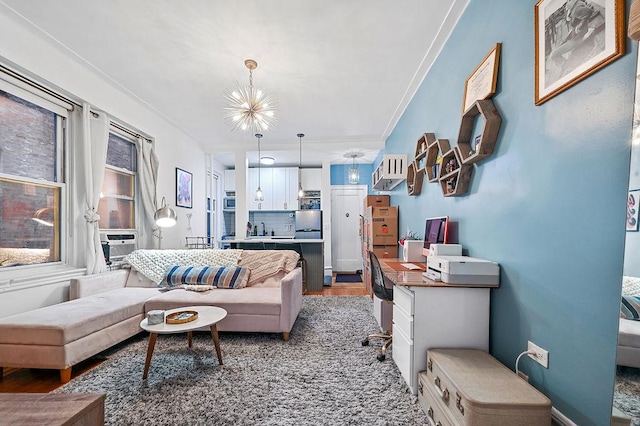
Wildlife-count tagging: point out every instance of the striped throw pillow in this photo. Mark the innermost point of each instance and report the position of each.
(217, 276)
(630, 307)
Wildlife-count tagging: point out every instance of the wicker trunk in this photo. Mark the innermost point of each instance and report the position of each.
(470, 387)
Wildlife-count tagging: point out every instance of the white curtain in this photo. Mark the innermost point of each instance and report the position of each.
(92, 163)
(77, 198)
(149, 235)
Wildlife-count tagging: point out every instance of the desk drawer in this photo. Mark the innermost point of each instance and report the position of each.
(403, 299)
(403, 321)
(403, 356)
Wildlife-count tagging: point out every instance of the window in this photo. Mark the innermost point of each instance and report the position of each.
(117, 203)
(31, 146)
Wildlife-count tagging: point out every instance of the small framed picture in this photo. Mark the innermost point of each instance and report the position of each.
(574, 39)
(632, 210)
(184, 188)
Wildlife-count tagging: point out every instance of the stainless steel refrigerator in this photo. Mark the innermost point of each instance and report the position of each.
(308, 224)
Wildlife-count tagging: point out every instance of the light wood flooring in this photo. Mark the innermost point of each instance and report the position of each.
(43, 381)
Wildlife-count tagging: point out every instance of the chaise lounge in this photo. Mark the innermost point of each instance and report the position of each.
(107, 308)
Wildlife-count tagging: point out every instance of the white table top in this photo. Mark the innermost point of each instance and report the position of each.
(207, 315)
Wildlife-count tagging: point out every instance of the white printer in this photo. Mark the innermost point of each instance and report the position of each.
(462, 270)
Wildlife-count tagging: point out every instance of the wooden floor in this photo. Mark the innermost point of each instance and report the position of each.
(43, 381)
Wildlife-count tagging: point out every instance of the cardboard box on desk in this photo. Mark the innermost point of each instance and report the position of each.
(377, 201)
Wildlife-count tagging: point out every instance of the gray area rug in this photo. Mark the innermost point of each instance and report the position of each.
(321, 376)
(626, 397)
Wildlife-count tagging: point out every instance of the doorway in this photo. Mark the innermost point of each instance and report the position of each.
(346, 210)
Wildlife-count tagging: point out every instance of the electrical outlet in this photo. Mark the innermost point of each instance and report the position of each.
(540, 355)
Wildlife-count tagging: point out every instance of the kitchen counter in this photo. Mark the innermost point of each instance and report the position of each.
(276, 240)
(312, 252)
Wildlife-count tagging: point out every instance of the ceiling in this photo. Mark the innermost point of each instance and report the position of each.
(342, 72)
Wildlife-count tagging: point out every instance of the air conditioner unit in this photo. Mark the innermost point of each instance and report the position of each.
(120, 244)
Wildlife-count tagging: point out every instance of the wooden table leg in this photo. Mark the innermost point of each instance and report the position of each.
(65, 375)
(152, 344)
(216, 342)
(190, 336)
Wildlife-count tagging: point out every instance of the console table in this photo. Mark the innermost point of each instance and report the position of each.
(429, 314)
(52, 409)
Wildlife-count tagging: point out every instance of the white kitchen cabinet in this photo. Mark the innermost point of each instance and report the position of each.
(229, 180)
(436, 317)
(279, 186)
(311, 179)
(266, 178)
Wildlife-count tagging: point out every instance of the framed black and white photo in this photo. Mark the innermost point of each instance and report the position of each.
(573, 39)
(184, 188)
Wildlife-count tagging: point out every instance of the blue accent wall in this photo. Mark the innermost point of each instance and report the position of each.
(340, 174)
(549, 205)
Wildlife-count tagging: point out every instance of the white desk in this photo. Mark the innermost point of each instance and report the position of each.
(429, 314)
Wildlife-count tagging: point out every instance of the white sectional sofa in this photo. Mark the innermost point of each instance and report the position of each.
(107, 308)
(628, 353)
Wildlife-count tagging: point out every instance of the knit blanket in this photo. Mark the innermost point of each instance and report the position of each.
(153, 264)
(266, 263)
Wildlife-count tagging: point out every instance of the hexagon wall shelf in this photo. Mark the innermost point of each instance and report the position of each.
(472, 153)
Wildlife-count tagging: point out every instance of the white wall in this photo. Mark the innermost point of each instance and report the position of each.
(23, 48)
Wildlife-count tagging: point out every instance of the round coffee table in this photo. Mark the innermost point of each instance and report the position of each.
(207, 316)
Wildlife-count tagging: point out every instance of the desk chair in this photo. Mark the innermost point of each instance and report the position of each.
(383, 289)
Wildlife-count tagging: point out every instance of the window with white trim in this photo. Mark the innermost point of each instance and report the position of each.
(31, 181)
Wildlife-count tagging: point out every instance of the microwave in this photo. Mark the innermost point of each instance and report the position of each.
(229, 203)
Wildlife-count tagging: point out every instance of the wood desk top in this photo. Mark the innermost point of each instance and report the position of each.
(400, 275)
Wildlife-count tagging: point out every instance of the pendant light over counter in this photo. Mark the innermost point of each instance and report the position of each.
(300, 190)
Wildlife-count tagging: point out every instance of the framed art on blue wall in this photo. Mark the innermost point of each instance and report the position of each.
(574, 39)
(184, 188)
(632, 210)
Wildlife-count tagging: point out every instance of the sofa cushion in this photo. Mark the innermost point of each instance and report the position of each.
(59, 324)
(630, 307)
(153, 263)
(629, 333)
(218, 276)
(249, 300)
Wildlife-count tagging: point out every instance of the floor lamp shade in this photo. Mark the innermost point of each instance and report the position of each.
(165, 216)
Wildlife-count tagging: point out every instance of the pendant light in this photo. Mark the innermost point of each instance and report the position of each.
(259, 195)
(354, 172)
(300, 191)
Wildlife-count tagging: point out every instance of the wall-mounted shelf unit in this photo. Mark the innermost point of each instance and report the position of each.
(454, 175)
(472, 152)
(434, 152)
(391, 171)
(414, 179)
(420, 156)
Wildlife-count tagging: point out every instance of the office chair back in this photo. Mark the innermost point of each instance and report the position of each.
(378, 282)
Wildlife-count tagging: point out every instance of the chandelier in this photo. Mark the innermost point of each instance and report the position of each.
(248, 107)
